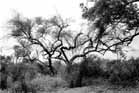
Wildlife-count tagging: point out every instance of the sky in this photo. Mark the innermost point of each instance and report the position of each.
(44, 8)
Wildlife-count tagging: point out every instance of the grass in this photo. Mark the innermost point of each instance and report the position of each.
(100, 89)
(95, 88)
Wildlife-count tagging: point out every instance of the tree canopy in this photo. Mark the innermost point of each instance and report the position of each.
(112, 25)
(115, 23)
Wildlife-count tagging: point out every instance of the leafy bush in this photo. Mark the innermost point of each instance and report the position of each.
(3, 91)
(22, 71)
(17, 76)
(47, 83)
(116, 72)
(60, 68)
(20, 76)
(43, 68)
(88, 67)
(123, 73)
(91, 67)
(3, 75)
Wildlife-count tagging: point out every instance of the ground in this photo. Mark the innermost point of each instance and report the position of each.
(99, 89)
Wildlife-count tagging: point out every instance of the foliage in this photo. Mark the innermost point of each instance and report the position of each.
(60, 68)
(91, 67)
(4, 62)
(112, 25)
(42, 68)
(72, 76)
(123, 73)
(21, 71)
(47, 83)
(3, 91)
(114, 22)
(34, 32)
(90, 71)
(16, 76)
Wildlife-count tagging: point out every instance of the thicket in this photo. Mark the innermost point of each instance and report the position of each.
(29, 77)
(92, 70)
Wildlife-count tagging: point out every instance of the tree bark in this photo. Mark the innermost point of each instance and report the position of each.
(79, 80)
(50, 66)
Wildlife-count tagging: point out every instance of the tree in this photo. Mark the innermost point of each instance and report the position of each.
(114, 24)
(39, 33)
(52, 37)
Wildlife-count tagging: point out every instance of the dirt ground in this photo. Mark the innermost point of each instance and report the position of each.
(100, 89)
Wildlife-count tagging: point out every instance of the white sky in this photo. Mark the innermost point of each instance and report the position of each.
(34, 8)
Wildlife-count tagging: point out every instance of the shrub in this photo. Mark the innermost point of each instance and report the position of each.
(22, 71)
(123, 73)
(18, 76)
(47, 83)
(3, 91)
(43, 68)
(91, 67)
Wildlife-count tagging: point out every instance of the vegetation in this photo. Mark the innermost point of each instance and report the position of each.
(92, 70)
(45, 59)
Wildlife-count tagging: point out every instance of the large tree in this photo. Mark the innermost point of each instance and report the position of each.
(51, 37)
(112, 25)
(36, 34)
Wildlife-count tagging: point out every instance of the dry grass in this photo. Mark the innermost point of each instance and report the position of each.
(91, 89)
(99, 89)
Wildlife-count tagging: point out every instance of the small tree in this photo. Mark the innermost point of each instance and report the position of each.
(37, 33)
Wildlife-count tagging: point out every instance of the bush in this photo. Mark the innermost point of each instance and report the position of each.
(124, 73)
(91, 67)
(17, 76)
(3, 91)
(3, 75)
(43, 68)
(48, 84)
(22, 71)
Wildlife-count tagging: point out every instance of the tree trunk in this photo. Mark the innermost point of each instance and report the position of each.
(69, 68)
(50, 66)
(69, 76)
(79, 80)
(74, 81)
(24, 86)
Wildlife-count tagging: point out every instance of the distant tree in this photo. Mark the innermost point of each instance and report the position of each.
(21, 53)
